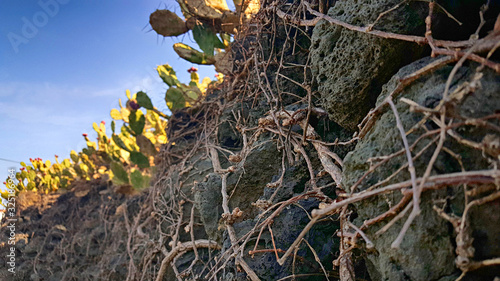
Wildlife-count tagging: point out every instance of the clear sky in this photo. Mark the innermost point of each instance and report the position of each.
(65, 63)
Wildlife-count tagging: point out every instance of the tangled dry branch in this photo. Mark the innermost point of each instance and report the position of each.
(252, 82)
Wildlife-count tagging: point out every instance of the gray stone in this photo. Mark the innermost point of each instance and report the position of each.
(427, 251)
(208, 200)
(350, 67)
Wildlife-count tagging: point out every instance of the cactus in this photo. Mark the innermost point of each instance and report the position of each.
(139, 159)
(140, 137)
(144, 101)
(120, 176)
(192, 55)
(167, 23)
(146, 146)
(126, 156)
(44, 176)
(180, 95)
(139, 180)
(207, 39)
(209, 9)
(168, 75)
(175, 99)
(137, 122)
(207, 19)
(213, 12)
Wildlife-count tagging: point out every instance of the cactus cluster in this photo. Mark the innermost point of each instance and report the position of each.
(180, 95)
(131, 150)
(126, 156)
(212, 24)
(45, 176)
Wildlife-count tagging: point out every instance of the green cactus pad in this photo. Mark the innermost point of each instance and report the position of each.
(69, 173)
(138, 180)
(137, 122)
(193, 55)
(120, 175)
(175, 99)
(145, 145)
(207, 39)
(120, 143)
(192, 95)
(144, 101)
(168, 75)
(74, 156)
(139, 159)
(31, 175)
(31, 185)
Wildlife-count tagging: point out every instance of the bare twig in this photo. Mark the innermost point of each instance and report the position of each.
(433, 182)
(232, 234)
(411, 168)
(369, 243)
(388, 35)
(317, 258)
(345, 263)
(180, 249)
(395, 219)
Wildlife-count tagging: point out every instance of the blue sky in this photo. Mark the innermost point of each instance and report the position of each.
(65, 63)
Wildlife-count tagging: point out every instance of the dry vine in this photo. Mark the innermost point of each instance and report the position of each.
(169, 215)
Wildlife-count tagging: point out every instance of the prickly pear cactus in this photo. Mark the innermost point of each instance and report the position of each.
(126, 155)
(211, 22)
(167, 23)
